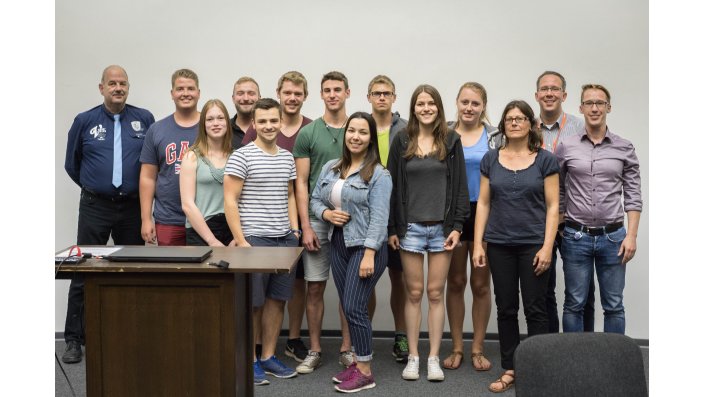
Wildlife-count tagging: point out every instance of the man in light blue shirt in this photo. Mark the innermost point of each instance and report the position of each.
(557, 125)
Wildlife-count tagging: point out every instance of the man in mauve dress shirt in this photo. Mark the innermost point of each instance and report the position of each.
(598, 169)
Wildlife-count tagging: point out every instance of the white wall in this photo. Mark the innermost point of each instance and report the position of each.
(504, 45)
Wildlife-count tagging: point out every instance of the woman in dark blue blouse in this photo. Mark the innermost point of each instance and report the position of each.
(517, 215)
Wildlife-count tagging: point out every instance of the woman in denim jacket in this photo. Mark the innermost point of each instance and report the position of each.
(352, 194)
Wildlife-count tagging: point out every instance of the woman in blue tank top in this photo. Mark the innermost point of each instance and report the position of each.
(477, 137)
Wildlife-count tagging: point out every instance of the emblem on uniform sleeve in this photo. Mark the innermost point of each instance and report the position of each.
(136, 125)
(98, 132)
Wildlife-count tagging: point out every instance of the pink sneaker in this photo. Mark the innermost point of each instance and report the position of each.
(357, 381)
(345, 374)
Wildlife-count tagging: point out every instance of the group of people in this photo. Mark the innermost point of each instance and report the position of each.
(369, 192)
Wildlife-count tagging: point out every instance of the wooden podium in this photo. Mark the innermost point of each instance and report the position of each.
(173, 329)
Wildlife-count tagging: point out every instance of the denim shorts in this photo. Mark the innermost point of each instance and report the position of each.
(421, 238)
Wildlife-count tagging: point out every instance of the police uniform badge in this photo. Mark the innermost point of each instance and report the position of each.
(98, 132)
(137, 127)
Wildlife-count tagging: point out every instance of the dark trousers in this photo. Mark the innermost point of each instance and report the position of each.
(512, 267)
(98, 219)
(219, 228)
(552, 304)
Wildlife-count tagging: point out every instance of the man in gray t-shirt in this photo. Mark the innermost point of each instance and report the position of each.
(165, 145)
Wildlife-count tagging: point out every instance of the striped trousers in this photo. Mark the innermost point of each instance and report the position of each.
(354, 292)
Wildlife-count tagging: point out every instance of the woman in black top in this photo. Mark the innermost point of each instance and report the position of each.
(517, 215)
(428, 207)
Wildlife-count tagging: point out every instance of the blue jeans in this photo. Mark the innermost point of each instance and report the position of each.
(580, 253)
(552, 304)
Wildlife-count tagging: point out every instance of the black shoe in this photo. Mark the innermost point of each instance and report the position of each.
(73, 352)
(296, 349)
(400, 351)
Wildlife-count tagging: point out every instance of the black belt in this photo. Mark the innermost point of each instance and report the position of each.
(596, 230)
(117, 198)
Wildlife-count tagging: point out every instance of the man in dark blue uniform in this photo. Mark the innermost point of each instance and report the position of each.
(102, 157)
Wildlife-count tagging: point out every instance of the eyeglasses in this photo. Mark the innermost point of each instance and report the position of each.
(518, 119)
(386, 94)
(550, 89)
(600, 104)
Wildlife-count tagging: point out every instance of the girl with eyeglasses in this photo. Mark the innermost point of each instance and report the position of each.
(517, 216)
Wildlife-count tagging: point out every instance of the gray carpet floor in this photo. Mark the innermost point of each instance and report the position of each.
(463, 381)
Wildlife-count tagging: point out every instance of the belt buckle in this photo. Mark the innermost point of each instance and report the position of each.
(596, 231)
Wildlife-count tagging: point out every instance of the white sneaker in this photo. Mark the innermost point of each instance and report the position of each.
(411, 372)
(311, 362)
(346, 359)
(435, 373)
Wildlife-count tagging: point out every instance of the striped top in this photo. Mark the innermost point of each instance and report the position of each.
(264, 200)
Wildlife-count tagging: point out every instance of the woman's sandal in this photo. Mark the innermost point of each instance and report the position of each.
(505, 385)
(453, 357)
(477, 362)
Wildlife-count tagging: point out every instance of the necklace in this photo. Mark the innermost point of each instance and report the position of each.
(336, 135)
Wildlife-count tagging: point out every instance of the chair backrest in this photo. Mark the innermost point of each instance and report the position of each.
(579, 364)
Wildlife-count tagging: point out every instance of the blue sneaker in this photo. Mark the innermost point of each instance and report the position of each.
(260, 377)
(273, 366)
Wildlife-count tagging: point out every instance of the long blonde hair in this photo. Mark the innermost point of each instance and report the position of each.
(201, 143)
